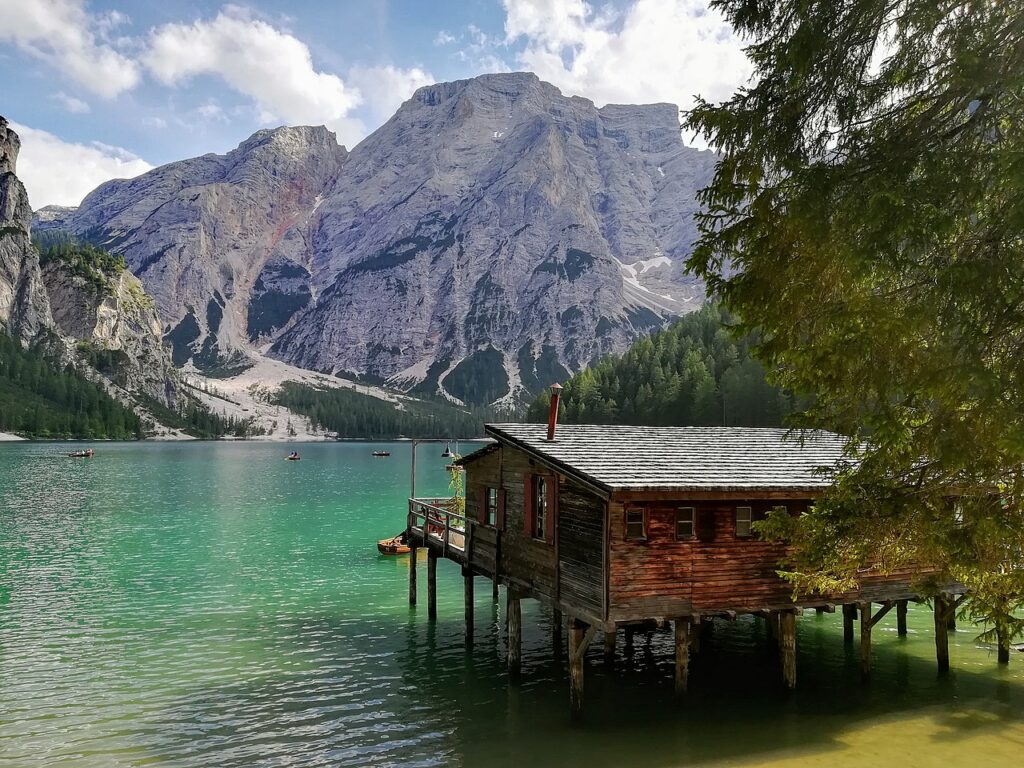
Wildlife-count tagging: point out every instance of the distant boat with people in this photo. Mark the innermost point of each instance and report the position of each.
(87, 453)
(381, 454)
(292, 456)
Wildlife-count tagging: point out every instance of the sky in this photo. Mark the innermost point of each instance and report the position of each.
(99, 89)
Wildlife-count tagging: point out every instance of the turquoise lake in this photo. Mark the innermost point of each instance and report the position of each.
(209, 604)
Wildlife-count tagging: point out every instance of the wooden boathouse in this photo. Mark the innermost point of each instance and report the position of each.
(618, 528)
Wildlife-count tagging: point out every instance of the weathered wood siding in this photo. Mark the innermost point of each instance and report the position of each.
(580, 532)
(481, 474)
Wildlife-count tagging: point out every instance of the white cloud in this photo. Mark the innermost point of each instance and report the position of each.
(272, 67)
(385, 88)
(656, 50)
(56, 172)
(444, 38)
(59, 32)
(72, 104)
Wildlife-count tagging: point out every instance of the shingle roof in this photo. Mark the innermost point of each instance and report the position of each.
(683, 458)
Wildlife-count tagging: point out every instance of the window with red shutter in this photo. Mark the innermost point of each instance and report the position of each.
(499, 521)
(528, 504)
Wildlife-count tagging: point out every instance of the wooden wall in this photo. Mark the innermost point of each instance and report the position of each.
(580, 533)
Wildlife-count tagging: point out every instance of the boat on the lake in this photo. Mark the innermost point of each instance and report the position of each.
(396, 545)
(88, 453)
(381, 454)
(293, 456)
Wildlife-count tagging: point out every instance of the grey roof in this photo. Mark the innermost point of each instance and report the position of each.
(683, 458)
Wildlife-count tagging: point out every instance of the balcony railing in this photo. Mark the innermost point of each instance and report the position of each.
(435, 519)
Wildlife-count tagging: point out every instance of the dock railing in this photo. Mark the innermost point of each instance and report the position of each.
(436, 520)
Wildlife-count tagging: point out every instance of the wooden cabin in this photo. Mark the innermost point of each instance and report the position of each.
(618, 527)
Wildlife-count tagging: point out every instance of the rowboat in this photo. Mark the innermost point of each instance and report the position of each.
(88, 453)
(381, 453)
(396, 545)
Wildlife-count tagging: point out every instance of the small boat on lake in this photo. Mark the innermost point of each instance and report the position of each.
(381, 454)
(88, 453)
(293, 456)
(396, 545)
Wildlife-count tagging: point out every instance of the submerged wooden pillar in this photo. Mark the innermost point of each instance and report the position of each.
(494, 589)
(413, 551)
(951, 616)
(431, 584)
(515, 633)
(682, 628)
(556, 632)
(1003, 639)
(467, 578)
(787, 647)
(609, 648)
(849, 614)
(865, 640)
(578, 642)
(901, 618)
(941, 634)
(629, 632)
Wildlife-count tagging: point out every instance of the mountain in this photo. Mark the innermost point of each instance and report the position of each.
(492, 237)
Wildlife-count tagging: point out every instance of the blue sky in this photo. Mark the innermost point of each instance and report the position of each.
(99, 89)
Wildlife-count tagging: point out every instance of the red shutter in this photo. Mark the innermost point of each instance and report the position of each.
(549, 521)
(481, 512)
(528, 504)
(500, 516)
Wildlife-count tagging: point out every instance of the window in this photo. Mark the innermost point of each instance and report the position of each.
(540, 506)
(635, 528)
(491, 506)
(684, 522)
(744, 517)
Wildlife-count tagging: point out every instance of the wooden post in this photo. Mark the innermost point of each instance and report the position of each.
(629, 632)
(609, 648)
(682, 655)
(820, 610)
(951, 617)
(515, 633)
(696, 636)
(431, 584)
(577, 650)
(556, 631)
(413, 551)
(865, 640)
(901, 618)
(787, 647)
(494, 589)
(849, 614)
(467, 578)
(1004, 645)
(941, 636)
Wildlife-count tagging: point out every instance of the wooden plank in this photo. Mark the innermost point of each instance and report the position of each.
(886, 607)
(787, 647)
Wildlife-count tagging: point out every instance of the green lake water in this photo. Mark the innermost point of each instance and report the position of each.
(210, 604)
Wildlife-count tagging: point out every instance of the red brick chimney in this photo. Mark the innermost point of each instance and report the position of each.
(556, 393)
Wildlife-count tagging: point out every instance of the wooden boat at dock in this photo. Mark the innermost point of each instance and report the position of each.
(396, 545)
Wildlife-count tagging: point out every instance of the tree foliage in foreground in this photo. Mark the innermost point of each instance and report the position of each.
(693, 373)
(866, 219)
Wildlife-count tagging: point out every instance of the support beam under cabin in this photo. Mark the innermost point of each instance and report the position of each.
(682, 645)
(431, 584)
(580, 635)
(556, 631)
(609, 648)
(941, 634)
(849, 614)
(413, 551)
(787, 647)
(514, 615)
(901, 618)
(865, 641)
(467, 577)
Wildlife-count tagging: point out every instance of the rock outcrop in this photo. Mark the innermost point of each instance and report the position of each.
(24, 310)
(490, 238)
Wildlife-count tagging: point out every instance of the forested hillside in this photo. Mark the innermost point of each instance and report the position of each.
(39, 400)
(694, 372)
(355, 415)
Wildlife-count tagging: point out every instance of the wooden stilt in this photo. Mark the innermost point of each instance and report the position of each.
(820, 610)
(431, 584)
(629, 632)
(609, 648)
(467, 577)
(556, 632)
(941, 634)
(697, 636)
(951, 617)
(1004, 646)
(901, 618)
(494, 589)
(865, 640)
(849, 614)
(413, 550)
(787, 647)
(515, 633)
(682, 655)
(579, 638)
